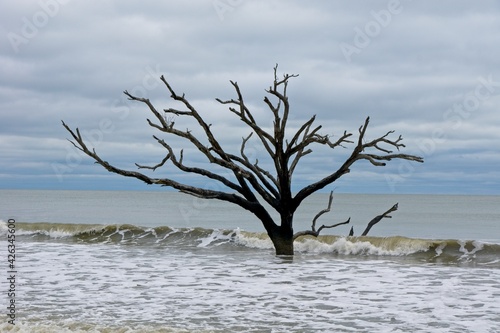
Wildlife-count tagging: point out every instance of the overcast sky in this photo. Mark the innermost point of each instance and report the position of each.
(428, 70)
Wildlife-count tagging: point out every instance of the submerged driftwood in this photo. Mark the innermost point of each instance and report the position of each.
(315, 232)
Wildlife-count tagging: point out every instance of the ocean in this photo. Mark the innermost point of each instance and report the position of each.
(104, 261)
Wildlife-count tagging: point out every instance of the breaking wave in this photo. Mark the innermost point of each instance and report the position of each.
(76, 327)
(427, 250)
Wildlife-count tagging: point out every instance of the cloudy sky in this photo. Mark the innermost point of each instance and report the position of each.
(428, 70)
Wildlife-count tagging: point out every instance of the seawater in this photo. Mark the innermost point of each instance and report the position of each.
(166, 262)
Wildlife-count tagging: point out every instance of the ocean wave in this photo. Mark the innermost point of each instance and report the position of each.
(78, 327)
(428, 249)
(377, 246)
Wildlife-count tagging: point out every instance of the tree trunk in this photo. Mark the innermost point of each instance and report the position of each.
(282, 238)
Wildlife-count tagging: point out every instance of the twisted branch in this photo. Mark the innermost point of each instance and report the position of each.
(313, 231)
(359, 153)
(246, 177)
(378, 218)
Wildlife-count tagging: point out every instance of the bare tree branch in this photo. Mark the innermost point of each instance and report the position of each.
(378, 218)
(313, 231)
(263, 175)
(156, 166)
(223, 159)
(253, 206)
(245, 115)
(203, 172)
(357, 154)
(244, 178)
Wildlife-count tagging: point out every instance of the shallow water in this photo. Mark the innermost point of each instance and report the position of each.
(418, 216)
(249, 290)
(161, 277)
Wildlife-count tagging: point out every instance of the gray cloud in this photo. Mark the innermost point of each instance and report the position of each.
(416, 67)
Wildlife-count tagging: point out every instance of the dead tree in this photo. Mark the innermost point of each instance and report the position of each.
(247, 183)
